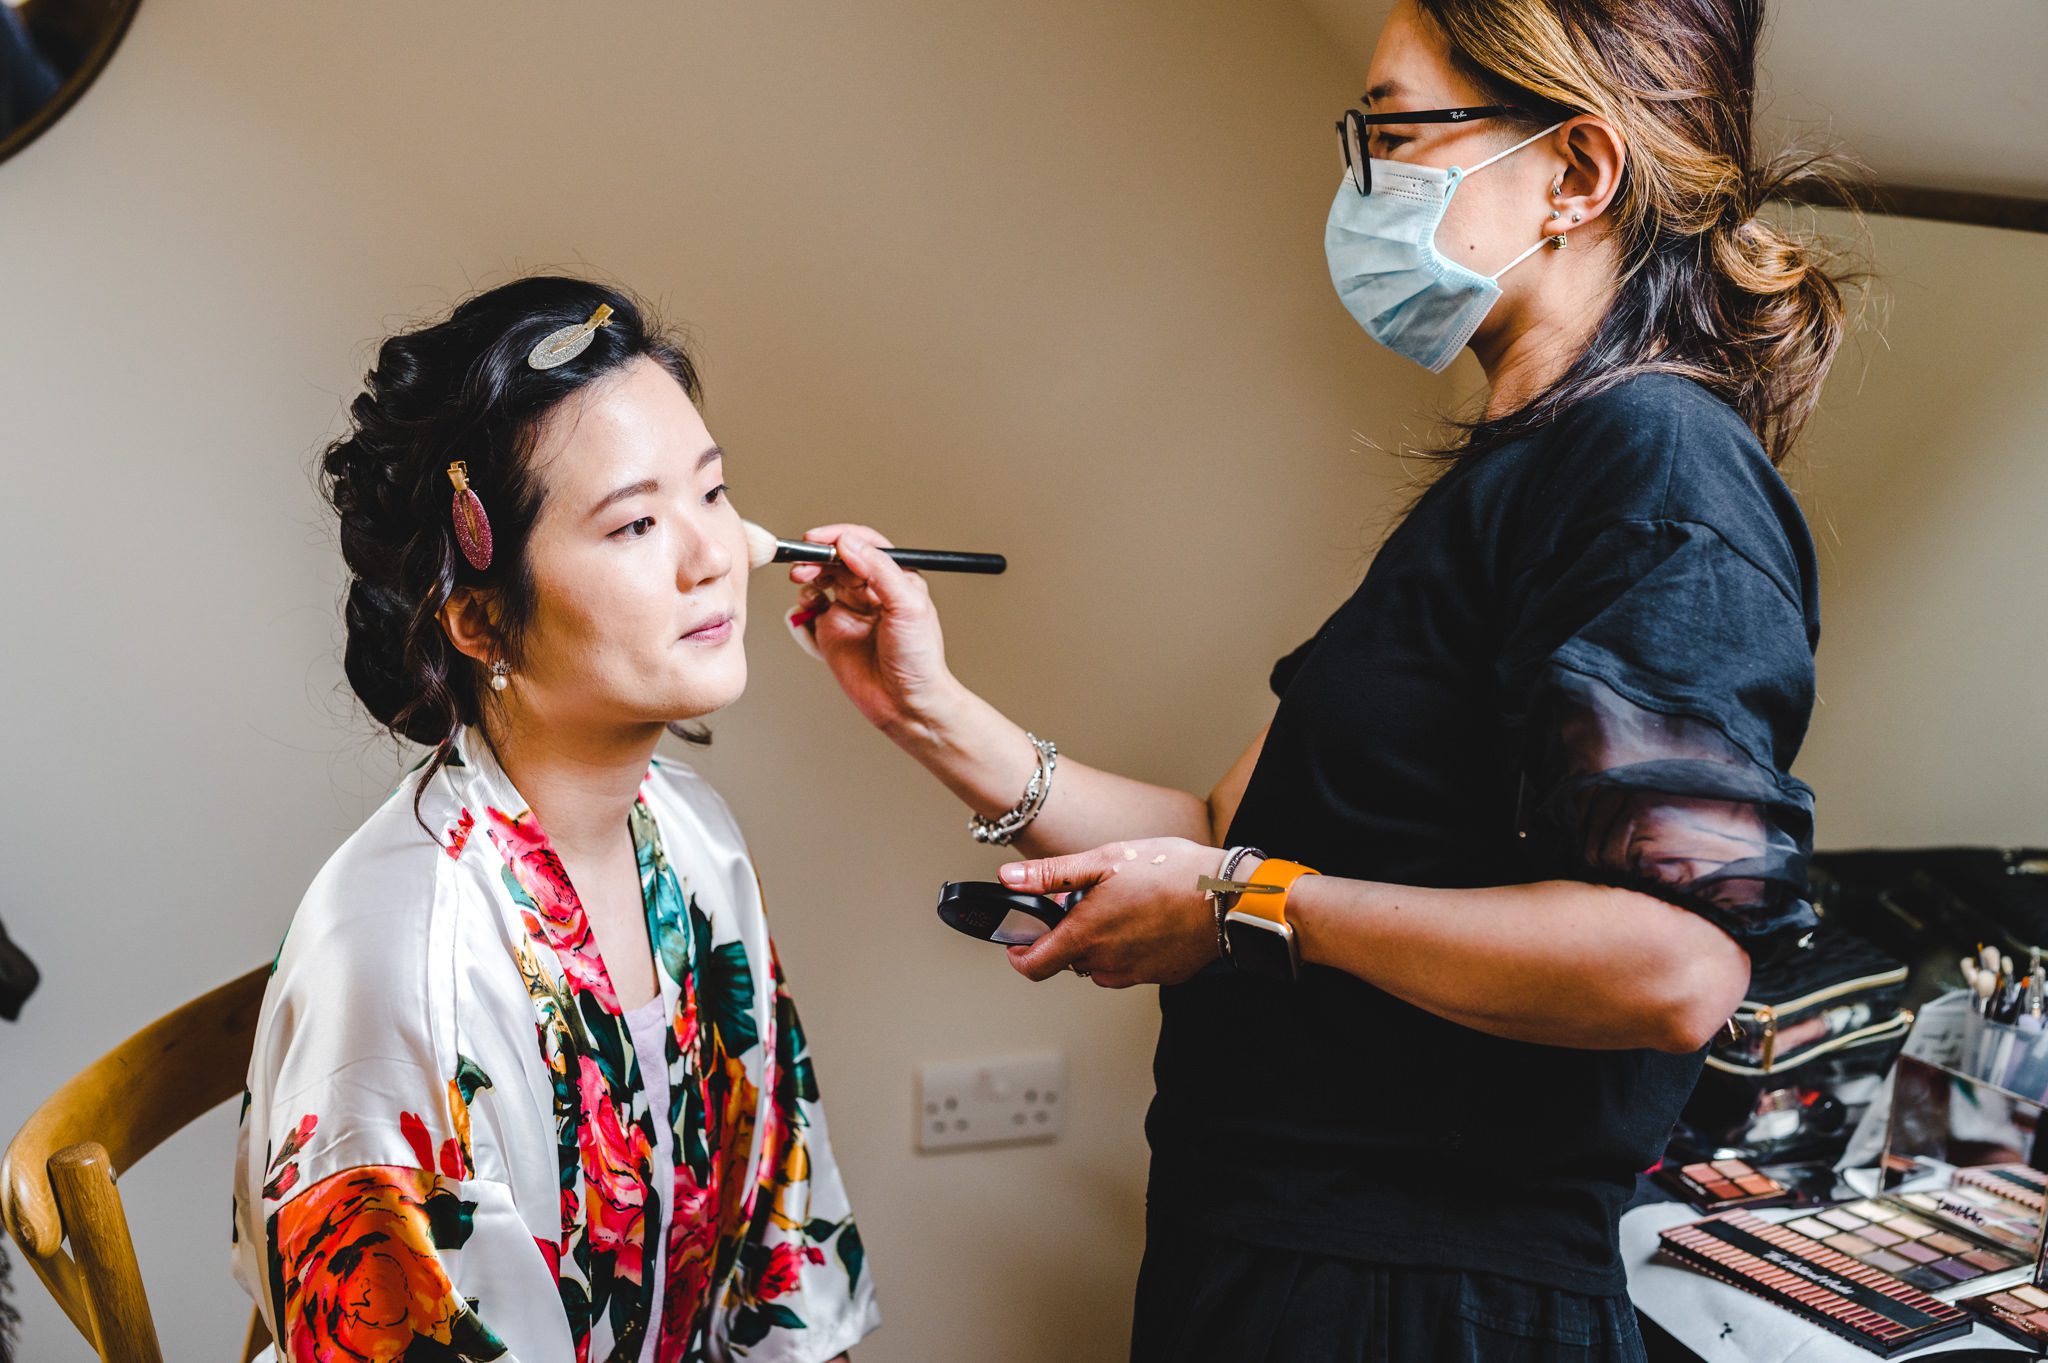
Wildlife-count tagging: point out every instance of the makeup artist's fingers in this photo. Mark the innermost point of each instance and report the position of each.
(1113, 979)
(831, 534)
(1050, 954)
(1050, 875)
(897, 589)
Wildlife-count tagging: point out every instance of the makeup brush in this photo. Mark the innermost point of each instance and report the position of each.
(763, 548)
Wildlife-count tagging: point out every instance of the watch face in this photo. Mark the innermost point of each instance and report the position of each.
(1263, 946)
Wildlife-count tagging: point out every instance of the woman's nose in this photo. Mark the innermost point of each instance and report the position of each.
(707, 558)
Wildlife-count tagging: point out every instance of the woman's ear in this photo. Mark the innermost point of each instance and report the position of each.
(469, 619)
(1594, 158)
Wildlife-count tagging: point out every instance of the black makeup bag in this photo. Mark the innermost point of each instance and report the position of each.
(1939, 903)
(1803, 1055)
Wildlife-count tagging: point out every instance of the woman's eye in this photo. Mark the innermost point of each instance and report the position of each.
(1387, 141)
(712, 497)
(635, 529)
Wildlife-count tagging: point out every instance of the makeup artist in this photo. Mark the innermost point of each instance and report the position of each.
(1523, 816)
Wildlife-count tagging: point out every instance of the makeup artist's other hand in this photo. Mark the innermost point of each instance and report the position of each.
(880, 632)
(1142, 922)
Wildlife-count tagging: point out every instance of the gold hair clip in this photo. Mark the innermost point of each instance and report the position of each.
(560, 347)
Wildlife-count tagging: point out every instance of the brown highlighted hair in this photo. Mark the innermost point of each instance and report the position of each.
(1708, 288)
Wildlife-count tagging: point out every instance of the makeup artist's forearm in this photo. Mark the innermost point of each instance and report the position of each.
(1561, 963)
(982, 756)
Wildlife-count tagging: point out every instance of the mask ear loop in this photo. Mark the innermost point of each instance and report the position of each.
(1511, 150)
(1555, 242)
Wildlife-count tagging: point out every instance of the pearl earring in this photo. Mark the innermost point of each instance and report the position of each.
(501, 675)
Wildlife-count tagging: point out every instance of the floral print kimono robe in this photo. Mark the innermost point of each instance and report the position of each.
(446, 1147)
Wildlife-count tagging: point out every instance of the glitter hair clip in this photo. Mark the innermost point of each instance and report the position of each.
(472, 527)
(560, 347)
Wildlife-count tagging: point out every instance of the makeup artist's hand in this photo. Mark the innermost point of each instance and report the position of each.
(876, 626)
(1142, 922)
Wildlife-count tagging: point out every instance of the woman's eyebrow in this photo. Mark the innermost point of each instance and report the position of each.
(1386, 89)
(650, 485)
(629, 490)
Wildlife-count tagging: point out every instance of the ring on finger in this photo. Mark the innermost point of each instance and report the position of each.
(1084, 974)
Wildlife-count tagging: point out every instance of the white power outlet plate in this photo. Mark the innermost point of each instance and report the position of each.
(990, 1102)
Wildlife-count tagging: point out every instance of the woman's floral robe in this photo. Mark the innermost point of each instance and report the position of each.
(446, 1149)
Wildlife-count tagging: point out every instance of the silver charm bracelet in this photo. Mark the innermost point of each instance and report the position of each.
(1226, 902)
(1002, 831)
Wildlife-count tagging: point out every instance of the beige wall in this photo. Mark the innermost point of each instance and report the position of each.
(1925, 477)
(1042, 279)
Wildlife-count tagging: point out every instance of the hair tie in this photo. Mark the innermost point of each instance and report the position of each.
(472, 527)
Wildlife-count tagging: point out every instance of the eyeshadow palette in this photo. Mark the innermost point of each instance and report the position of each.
(1976, 1214)
(2021, 1312)
(2014, 1182)
(1717, 1185)
(1870, 1308)
(1916, 1249)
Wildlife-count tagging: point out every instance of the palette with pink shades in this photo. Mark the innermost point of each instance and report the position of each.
(2020, 1313)
(1722, 1184)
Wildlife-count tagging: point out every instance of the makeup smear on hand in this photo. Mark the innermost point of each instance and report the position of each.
(1869, 1308)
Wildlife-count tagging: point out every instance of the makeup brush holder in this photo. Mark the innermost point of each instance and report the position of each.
(2009, 1057)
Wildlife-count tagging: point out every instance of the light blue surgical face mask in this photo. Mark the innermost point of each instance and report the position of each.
(1381, 246)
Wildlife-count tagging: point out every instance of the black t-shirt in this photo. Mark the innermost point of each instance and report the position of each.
(1588, 654)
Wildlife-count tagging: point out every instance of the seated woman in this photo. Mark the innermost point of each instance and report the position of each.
(528, 1083)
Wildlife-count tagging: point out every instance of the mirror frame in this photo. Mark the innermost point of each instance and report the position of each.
(80, 81)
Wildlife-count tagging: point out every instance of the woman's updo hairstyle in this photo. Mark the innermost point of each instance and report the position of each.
(1709, 289)
(459, 389)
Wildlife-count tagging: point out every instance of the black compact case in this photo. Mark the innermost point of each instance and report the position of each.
(992, 912)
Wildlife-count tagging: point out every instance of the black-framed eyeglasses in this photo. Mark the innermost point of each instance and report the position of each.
(1351, 132)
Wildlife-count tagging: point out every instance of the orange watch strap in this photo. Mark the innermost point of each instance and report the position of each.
(1272, 905)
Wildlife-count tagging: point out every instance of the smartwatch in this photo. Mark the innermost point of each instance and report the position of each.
(1261, 939)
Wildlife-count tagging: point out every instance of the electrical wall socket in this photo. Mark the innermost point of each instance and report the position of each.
(990, 1102)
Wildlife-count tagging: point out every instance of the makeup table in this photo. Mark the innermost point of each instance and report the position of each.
(1723, 1324)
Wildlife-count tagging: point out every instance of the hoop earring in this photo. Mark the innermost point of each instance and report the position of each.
(501, 675)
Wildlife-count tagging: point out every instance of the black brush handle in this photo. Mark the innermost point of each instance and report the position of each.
(924, 560)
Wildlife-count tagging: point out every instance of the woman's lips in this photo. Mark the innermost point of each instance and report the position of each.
(714, 631)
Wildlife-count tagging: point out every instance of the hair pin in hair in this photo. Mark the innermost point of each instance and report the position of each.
(472, 527)
(560, 347)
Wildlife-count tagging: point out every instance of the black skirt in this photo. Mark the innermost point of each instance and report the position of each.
(1203, 1298)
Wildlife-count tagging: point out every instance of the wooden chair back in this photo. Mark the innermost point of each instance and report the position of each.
(57, 1179)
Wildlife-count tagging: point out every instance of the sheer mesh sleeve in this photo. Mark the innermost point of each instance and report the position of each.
(1668, 682)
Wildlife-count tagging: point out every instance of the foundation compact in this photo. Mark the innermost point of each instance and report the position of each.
(993, 912)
